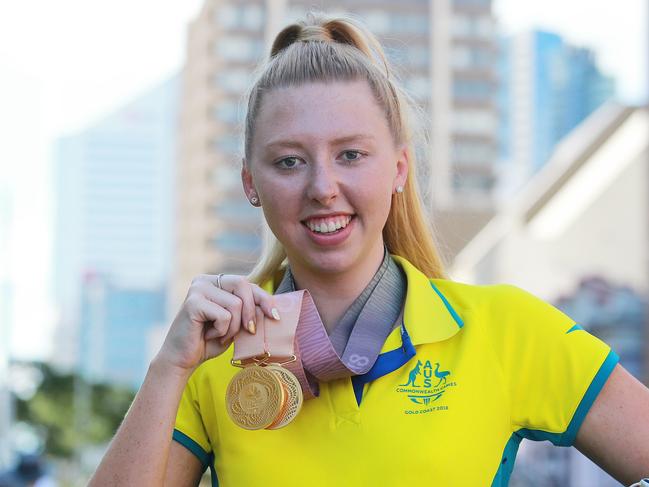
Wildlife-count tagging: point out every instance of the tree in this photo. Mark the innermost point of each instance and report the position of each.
(69, 413)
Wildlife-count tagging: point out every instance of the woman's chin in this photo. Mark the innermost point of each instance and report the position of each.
(325, 262)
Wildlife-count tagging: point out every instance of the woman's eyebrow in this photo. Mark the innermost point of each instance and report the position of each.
(353, 138)
(295, 144)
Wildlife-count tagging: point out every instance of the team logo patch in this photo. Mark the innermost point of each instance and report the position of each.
(427, 383)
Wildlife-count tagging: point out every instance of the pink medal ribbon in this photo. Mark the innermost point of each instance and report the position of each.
(299, 342)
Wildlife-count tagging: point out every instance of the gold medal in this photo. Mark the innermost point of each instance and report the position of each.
(255, 397)
(294, 396)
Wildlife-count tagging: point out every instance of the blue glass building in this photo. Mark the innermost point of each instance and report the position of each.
(547, 87)
(114, 216)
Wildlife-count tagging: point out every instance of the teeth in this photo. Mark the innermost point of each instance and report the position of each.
(329, 225)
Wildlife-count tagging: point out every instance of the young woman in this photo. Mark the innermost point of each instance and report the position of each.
(459, 374)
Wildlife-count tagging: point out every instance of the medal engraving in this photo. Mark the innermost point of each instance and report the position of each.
(255, 397)
(294, 396)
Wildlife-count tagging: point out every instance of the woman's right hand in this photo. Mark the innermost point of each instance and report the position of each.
(210, 317)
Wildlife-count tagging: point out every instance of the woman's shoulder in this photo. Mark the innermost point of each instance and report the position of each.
(504, 305)
(467, 295)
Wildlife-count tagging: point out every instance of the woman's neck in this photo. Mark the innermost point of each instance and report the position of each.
(333, 294)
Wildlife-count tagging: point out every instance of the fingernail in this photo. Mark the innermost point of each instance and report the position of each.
(251, 327)
(275, 313)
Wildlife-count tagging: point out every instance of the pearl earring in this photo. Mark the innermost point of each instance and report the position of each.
(399, 189)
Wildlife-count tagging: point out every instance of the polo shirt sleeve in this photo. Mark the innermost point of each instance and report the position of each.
(553, 368)
(189, 430)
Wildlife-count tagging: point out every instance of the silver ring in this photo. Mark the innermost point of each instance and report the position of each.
(218, 280)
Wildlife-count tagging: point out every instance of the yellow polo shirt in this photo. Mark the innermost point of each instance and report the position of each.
(471, 372)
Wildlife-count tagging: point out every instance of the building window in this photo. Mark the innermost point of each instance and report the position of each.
(472, 3)
(409, 57)
(233, 80)
(237, 242)
(473, 89)
(478, 121)
(227, 145)
(239, 48)
(465, 57)
(228, 112)
(472, 183)
(480, 26)
(235, 210)
(473, 152)
(248, 17)
(226, 177)
(377, 21)
(409, 23)
(419, 87)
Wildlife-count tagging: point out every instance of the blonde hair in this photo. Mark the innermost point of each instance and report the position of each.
(325, 49)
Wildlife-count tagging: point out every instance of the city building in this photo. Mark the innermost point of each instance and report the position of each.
(547, 87)
(115, 324)
(584, 213)
(114, 214)
(577, 235)
(445, 51)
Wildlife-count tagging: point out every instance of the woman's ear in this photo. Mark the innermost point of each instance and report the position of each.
(248, 185)
(246, 179)
(402, 167)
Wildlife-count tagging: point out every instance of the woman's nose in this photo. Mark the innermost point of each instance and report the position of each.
(323, 183)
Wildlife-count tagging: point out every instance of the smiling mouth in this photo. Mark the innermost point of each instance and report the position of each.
(328, 226)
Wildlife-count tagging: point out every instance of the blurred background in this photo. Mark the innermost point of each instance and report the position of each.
(119, 182)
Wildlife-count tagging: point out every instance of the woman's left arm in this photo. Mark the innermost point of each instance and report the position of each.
(615, 432)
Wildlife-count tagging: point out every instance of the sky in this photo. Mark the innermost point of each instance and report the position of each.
(63, 66)
(69, 63)
(616, 30)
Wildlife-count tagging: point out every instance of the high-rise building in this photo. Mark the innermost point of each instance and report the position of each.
(216, 227)
(547, 88)
(115, 324)
(115, 208)
(464, 109)
(577, 235)
(445, 52)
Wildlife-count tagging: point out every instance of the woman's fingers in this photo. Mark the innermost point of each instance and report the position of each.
(202, 310)
(213, 312)
(240, 287)
(265, 301)
(229, 301)
(243, 299)
(251, 294)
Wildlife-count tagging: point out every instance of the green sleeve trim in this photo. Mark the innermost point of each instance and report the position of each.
(567, 438)
(574, 328)
(204, 457)
(504, 472)
(589, 398)
(501, 479)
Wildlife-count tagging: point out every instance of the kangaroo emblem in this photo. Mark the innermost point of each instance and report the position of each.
(440, 375)
(412, 376)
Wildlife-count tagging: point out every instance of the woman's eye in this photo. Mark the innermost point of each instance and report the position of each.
(288, 162)
(351, 155)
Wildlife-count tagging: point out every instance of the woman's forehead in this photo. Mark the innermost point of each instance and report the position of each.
(329, 111)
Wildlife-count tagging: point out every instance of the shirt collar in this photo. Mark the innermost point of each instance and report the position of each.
(428, 315)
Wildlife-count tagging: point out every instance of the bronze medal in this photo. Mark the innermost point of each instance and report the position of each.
(294, 396)
(255, 397)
